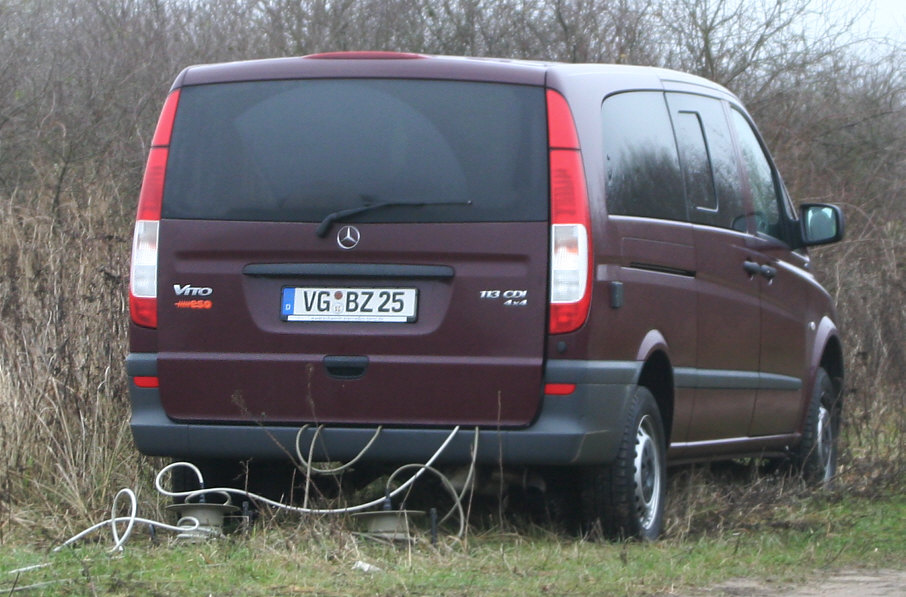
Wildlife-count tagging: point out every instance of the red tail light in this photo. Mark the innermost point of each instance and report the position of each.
(146, 382)
(143, 274)
(367, 55)
(559, 389)
(571, 246)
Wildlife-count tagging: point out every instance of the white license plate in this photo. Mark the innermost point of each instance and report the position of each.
(389, 305)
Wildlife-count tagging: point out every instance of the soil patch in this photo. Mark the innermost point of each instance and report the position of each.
(864, 583)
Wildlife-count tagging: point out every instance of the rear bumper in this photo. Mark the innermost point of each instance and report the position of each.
(578, 429)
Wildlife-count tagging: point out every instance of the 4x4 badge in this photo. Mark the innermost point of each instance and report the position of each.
(348, 237)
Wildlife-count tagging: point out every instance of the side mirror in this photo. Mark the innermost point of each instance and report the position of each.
(821, 224)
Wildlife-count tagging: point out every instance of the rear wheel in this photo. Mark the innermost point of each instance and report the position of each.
(816, 455)
(626, 498)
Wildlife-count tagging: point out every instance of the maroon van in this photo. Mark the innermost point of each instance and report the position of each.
(594, 268)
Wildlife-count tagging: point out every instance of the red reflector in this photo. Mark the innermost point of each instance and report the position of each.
(146, 382)
(143, 310)
(567, 317)
(559, 389)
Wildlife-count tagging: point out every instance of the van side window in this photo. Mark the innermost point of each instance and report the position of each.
(641, 164)
(760, 175)
(730, 210)
(690, 139)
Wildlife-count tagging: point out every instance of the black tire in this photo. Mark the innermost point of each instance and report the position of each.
(816, 455)
(625, 500)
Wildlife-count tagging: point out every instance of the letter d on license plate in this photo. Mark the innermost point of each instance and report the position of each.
(387, 305)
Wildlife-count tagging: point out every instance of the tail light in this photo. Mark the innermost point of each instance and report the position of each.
(143, 274)
(146, 382)
(366, 55)
(571, 245)
(559, 389)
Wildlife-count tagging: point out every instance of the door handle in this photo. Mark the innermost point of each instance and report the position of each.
(768, 272)
(751, 268)
(765, 271)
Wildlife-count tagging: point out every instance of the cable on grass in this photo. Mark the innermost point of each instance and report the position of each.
(203, 493)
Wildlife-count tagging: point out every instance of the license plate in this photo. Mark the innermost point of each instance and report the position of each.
(387, 305)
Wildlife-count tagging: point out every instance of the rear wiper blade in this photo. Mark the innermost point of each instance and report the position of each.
(327, 222)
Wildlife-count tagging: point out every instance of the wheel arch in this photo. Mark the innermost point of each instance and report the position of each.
(657, 376)
(827, 354)
(832, 362)
(830, 357)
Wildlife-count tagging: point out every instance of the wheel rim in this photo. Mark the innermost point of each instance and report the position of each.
(647, 473)
(825, 442)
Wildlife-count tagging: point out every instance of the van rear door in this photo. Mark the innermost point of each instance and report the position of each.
(355, 251)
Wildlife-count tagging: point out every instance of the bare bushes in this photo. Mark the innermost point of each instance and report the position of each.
(64, 440)
(846, 143)
(871, 296)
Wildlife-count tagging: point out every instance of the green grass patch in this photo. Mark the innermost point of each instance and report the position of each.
(794, 543)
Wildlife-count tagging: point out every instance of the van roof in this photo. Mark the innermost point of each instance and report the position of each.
(407, 65)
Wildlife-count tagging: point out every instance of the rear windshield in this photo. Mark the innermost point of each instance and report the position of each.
(299, 150)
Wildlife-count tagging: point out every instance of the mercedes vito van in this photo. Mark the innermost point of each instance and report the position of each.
(594, 269)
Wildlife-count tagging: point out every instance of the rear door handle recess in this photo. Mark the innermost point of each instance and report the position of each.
(345, 367)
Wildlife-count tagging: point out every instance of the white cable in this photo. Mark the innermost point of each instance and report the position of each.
(187, 496)
(120, 540)
(457, 505)
(154, 523)
(311, 448)
(457, 498)
(133, 512)
(467, 485)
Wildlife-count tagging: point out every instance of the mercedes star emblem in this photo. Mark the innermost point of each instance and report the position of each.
(348, 237)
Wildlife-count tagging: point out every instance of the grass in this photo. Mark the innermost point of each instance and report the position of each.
(792, 540)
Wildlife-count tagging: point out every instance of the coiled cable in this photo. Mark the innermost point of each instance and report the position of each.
(203, 493)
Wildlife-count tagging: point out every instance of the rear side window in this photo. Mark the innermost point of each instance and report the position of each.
(299, 150)
(641, 164)
(723, 170)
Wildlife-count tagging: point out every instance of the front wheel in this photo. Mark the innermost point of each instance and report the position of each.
(625, 499)
(816, 455)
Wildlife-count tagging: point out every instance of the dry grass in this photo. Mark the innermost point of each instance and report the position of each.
(65, 445)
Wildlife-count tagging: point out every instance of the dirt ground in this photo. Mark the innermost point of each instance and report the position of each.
(846, 583)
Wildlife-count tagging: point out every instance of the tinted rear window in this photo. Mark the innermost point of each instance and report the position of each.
(643, 172)
(299, 150)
